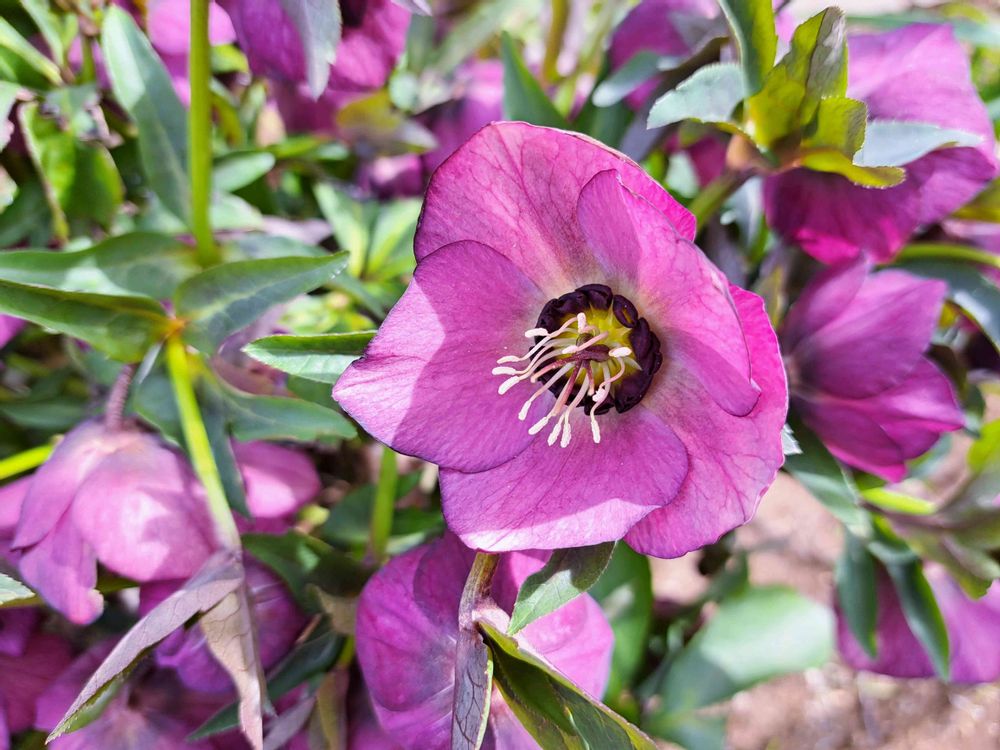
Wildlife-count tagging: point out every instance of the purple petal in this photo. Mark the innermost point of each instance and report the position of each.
(143, 513)
(683, 296)
(514, 187)
(11, 498)
(876, 340)
(878, 434)
(27, 675)
(62, 568)
(425, 386)
(16, 627)
(278, 480)
(368, 52)
(268, 38)
(9, 328)
(732, 460)
(825, 297)
(550, 497)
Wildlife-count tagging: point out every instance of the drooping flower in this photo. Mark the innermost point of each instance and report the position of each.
(972, 626)
(407, 630)
(854, 343)
(917, 73)
(373, 37)
(569, 357)
(123, 498)
(29, 662)
(187, 653)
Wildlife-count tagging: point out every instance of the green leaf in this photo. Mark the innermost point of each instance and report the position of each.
(892, 144)
(26, 52)
(922, 613)
(12, 590)
(709, 95)
(523, 97)
(625, 594)
(567, 574)
(825, 479)
(984, 207)
(8, 98)
(756, 635)
(322, 357)
(813, 69)
(854, 577)
(473, 689)
(553, 710)
(215, 415)
(143, 87)
(839, 124)
(28, 216)
(314, 656)
(239, 168)
(968, 288)
(226, 298)
(898, 502)
(694, 730)
(470, 32)
(838, 163)
(124, 328)
(752, 22)
(48, 24)
(319, 27)
(280, 418)
(141, 263)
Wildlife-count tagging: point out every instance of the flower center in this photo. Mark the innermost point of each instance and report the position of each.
(593, 351)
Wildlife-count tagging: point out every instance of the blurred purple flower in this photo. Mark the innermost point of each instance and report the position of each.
(528, 228)
(122, 498)
(972, 626)
(854, 345)
(917, 73)
(186, 652)
(9, 328)
(406, 638)
(151, 711)
(373, 37)
(29, 662)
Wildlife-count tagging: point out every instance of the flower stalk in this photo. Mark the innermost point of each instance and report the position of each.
(477, 588)
(200, 135)
(199, 447)
(25, 460)
(385, 501)
(114, 411)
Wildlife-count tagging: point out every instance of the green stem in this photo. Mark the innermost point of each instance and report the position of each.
(554, 40)
(947, 251)
(707, 203)
(385, 501)
(199, 448)
(477, 588)
(25, 461)
(200, 129)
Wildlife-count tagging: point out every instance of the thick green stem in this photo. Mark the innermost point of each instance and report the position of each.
(554, 40)
(200, 138)
(25, 461)
(707, 203)
(948, 251)
(199, 447)
(385, 502)
(477, 588)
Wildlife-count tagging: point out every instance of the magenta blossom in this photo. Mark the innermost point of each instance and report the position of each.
(914, 74)
(854, 343)
(373, 37)
(407, 630)
(9, 328)
(122, 498)
(972, 626)
(186, 652)
(570, 359)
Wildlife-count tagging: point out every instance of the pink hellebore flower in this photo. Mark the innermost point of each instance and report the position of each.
(406, 637)
(373, 37)
(917, 73)
(972, 626)
(122, 498)
(9, 328)
(568, 356)
(854, 343)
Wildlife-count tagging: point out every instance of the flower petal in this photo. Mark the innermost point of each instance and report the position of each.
(27, 675)
(823, 299)
(733, 460)
(876, 340)
(514, 187)
(278, 480)
(424, 385)
(550, 497)
(879, 433)
(674, 286)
